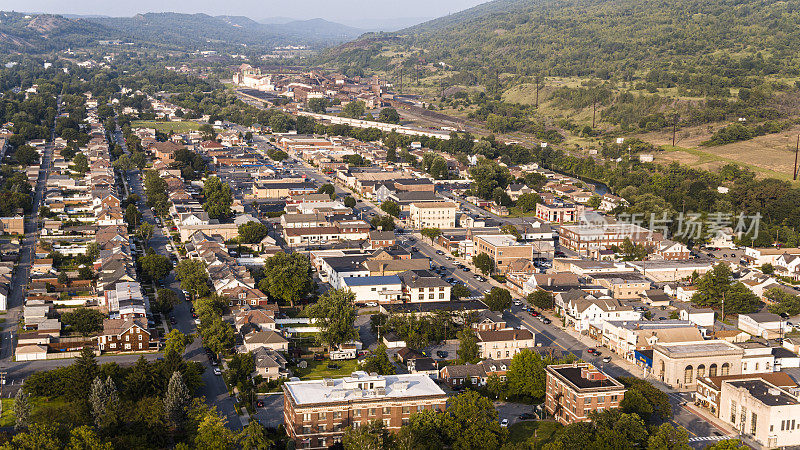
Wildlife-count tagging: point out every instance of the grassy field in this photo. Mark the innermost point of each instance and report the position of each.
(771, 155)
(319, 369)
(39, 405)
(522, 432)
(166, 126)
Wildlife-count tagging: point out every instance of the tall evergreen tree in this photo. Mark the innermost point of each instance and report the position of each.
(176, 400)
(22, 409)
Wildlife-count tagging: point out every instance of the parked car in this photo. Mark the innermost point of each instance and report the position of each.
(546, 321)
(260, 404)
(318, 357)
(372, 304)
(504, 423)
(439, 252)
(534, 313)
(217, 372)
(591, 351)
(607, 359)
(441, 354)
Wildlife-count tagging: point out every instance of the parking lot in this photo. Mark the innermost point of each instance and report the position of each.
(271, 414)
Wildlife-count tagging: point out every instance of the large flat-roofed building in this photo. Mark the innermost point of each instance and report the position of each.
(433, 215)
(679, 364)
(757, 408)
(558, 213)
(574, 390)
(590, 239)
(317, 412)
(707, 394)
(503, 249)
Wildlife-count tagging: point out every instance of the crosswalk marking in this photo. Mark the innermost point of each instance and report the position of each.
(708, 438)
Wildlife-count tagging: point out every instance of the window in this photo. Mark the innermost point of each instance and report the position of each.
(701, 370)
(372, 411)
(712, 370)
(726, 368)
(406, 410)
(307, 417)
(321, 428)
(688, 375)
(753, 422)
(337, 415)
(323, 415)
(387, 410)
(733, 413)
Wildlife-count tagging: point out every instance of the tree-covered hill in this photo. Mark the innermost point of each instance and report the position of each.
(729, 38)
(21, 32)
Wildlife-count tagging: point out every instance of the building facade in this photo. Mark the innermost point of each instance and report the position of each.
(572, 391)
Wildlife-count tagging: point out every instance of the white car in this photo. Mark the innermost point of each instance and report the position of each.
(504, 423)
(372, 304)
(217, 372)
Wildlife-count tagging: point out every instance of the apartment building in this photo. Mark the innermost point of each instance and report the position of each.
(558, 212)
(503, 249)
(433, 215)
(590, 239)
(707, 394)
(575, 390)
(317, 412)
(423, 286)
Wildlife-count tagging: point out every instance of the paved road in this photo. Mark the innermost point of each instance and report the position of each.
(214, 389)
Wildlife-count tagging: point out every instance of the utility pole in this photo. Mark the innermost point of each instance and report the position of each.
(674, 128)
(796, 150)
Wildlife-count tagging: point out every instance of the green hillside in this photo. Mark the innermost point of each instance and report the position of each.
(726, 38)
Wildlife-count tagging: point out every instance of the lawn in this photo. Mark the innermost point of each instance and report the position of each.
(166, 126)
(522, 432)
(38, 406)
(319, 369)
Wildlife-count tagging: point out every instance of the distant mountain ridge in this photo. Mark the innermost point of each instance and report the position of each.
(43, 32)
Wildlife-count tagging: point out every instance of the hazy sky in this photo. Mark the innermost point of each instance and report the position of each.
(340, 10)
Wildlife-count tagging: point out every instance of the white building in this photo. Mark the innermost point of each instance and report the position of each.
(379, 289)
(771, 415)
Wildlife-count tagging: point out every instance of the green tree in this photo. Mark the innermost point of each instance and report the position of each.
(378, 362)
(193, 276)
(484, 263)
(526, 375)
(768, 269)
(253, 437)
(335, 315)
(541, 299)
(207, 132)
(468, 351)
(431, 233)
(133, 217)
(667, 437)
(391, 208)
(145, 232)
(85, 438)
(26, 155)
(327, 189)
(211, 431)
(349, 201)
(154, 266)
(218, 198)
(389, 115)
(594, 201)
(354, 109)
(782, 302)
(176, 342)
(425, 431)
(80, 163)
(317, 105)
(631, 251)
(460, 291)
(497, 299)
(22, 410)
(718, 286)
(385, 223)
(83, 320)
(166, 299)
(38, 437)
(471, 422)
(369, 436)
(176, 401)
(727, 444)
(660, 407)
(252, 232)
(487, 176)
(287, 277)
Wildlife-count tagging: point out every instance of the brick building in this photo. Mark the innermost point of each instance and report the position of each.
(317, 412)
(125, 335)
(575, 390)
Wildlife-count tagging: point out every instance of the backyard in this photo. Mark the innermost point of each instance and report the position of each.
(537, 434)
(319, 369)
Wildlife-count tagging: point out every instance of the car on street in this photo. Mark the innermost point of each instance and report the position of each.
(439, 252)
(591, 351)
(504, 423)
(606, 359)
(372, 304)
(217, 372)
(546, 321)
(534, 313)
(260, 403)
